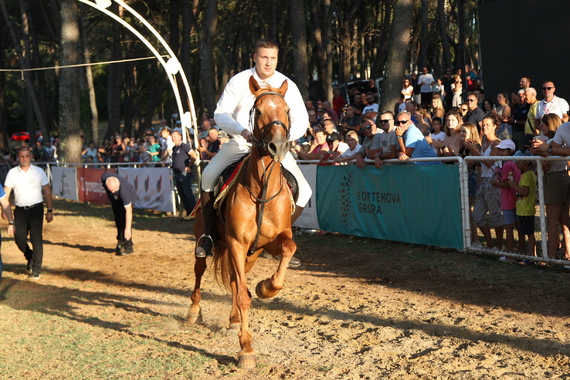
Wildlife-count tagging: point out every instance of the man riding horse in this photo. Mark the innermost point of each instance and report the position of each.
(233, 116)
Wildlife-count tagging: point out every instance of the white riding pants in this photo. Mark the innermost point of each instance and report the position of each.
(233, 150)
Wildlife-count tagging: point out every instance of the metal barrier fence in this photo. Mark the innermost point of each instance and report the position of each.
(109, 165)
(540, 234)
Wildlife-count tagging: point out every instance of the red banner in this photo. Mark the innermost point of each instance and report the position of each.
(90, 187)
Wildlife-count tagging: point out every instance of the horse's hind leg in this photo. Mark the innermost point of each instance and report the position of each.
(271, 286)
(199, 269)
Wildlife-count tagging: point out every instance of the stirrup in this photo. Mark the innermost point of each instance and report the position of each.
(201, 252)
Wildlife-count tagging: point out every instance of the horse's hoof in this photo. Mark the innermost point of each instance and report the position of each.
(262, 291)
(246, 361)
(193, 317)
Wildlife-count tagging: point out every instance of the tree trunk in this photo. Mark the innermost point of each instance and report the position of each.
(3, 111)
(24, 64)
(46, 102)
(89, 80)
(397, 54)
(443, 33)
(424, 35)
(130, 97)
(186, 49)
(415, 42)
(69, 111)
(323, 46)
(381, 56)
(114, 80)
(346, 15)
(207, 33)
(299, 29)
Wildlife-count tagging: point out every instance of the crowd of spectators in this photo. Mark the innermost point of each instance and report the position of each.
(438, 117)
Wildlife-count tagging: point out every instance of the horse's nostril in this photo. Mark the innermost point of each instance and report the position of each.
(272, 148)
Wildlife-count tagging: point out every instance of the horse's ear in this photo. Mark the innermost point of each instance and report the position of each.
(284, 87)
(253, 85)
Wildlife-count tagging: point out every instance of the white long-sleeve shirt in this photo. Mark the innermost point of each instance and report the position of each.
(233, 110)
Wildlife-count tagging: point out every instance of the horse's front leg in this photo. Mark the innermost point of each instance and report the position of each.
(242, 299)
(199, 269)
(271, 286)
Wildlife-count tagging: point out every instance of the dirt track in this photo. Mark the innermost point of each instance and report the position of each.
(356, 309)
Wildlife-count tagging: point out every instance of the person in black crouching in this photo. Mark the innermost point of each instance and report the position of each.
(122, 196)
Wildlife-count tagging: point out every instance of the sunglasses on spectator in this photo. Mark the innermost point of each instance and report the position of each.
(398, 122)
(464, 109)
(385, 121)
(471, 100)
(547, 88)
(368, 126)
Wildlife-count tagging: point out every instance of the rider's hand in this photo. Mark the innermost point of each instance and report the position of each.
(247, 135)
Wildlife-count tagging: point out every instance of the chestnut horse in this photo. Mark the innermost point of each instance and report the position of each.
(255, 216)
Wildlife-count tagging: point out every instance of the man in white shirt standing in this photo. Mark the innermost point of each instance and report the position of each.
(551, 104)
(425, 81)
(29, 182)
(232, 115)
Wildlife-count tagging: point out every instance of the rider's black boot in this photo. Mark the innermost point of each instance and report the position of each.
(206, 241)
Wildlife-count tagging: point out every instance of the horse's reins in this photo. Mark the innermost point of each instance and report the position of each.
(262, 146)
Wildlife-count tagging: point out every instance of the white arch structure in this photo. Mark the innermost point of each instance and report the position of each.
(172, 66)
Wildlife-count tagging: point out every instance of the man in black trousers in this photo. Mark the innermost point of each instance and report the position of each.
(122, 196)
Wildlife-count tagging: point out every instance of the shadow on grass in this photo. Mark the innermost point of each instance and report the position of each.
(62, 302)
(143, 220)
(466, 278)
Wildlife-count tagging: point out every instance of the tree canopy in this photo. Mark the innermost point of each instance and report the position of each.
(322, 43)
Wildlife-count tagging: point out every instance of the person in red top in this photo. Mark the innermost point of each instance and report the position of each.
(338, 101)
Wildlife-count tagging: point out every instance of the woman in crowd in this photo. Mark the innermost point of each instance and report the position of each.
(438, 88)
(437, 133)
(437, 109)
(407, 89)
(457, 88)
(319, 147)
(488, 197)
(119, 150)
(504, 112)
(556, 190)
(488, 107)
(450, 146)
(105, 151)
(468, 132)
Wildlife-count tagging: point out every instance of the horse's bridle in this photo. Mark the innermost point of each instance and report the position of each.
(260, 143)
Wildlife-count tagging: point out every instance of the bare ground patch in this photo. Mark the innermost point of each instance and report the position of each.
(357, 309)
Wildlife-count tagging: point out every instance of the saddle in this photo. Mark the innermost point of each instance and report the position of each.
(229, 176)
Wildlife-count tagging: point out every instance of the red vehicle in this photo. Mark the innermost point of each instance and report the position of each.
(21, 136)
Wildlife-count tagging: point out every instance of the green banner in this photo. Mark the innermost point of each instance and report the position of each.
(407, 203)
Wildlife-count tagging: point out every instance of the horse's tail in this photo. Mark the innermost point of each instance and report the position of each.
(221, 266)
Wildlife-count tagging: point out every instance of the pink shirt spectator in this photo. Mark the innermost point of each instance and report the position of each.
(509, 195)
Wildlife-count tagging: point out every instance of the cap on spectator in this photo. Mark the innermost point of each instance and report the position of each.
(334, 137)
(507, 144)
